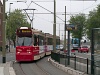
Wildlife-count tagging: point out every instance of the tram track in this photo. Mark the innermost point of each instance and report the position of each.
(47, 73)
(32, 67)
(40, 67)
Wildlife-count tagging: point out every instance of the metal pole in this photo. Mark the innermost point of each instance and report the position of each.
(59, 30)
(54, 27)
(3, 35)
(68, 47)
(92, 53)
(65, 31)
(65, 34)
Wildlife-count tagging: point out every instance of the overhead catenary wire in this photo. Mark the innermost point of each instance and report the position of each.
(90, 6)
(47, 10)
(44, 19)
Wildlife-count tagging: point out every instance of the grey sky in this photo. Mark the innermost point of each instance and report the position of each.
(44, 22)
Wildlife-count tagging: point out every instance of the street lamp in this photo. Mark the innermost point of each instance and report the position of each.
(22, 1)
(10, 7)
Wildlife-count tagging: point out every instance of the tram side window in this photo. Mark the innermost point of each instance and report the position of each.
(41, 40)
(35, 40)
(45, 41)
(50, 41)
(57, 41)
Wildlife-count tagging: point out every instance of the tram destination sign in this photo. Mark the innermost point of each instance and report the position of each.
(24, 32)
(71, 27)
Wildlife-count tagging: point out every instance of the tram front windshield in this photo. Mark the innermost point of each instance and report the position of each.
(24, 41)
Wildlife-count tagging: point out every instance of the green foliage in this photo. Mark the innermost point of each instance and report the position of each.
(15, 20)
(93, 21)
(79, 22)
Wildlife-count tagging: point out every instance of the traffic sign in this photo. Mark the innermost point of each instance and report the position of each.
(71, 27)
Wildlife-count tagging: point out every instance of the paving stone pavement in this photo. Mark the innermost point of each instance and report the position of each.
(6, 69)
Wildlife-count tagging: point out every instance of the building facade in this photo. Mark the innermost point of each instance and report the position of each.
(1, 23)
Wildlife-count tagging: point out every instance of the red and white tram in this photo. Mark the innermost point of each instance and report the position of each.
(32, 44)
(29, 44)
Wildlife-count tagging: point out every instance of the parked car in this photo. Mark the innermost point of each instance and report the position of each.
(83, 49)
(72, 51)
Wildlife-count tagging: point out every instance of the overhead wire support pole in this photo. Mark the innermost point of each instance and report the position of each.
(3, 35)
(54, 27)
(68, 47)
(65, 34)
(65, 31)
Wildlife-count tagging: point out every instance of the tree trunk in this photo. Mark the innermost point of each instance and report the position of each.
(14, 43)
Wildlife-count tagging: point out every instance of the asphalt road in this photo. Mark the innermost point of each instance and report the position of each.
(83, 55)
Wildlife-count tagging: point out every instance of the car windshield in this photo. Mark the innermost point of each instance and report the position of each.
(24, 41)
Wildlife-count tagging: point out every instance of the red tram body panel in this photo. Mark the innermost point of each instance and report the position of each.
(26, 53)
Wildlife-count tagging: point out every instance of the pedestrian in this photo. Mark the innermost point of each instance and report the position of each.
(7, 47)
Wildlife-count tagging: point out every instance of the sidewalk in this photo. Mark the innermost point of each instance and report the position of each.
(6, 69)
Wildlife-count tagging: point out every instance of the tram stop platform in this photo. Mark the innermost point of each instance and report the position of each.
(68, 70)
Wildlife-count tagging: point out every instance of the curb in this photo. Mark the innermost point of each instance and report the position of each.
(11, 70)
(69, 70)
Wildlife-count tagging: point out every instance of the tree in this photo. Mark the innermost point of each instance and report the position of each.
(79, 21)
(93, 21)
(15, 20)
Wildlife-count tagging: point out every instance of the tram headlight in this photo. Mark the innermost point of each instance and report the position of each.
(29, 52)
(18, 52)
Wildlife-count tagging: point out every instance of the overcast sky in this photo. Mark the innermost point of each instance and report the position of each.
(43, 21)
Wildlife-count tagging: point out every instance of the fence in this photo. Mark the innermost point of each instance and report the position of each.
(76, 63)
